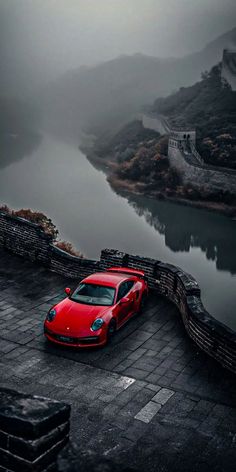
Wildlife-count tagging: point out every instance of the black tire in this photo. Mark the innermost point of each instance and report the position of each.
(143, 302)
(111, 329)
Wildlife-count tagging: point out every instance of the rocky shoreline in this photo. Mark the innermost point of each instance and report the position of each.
(127, 187)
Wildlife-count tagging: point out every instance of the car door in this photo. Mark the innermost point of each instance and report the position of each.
(126, 308)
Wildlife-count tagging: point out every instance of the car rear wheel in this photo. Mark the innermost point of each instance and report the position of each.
(111, 329)
(143, 302)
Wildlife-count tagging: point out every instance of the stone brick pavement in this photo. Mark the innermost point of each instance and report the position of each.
(150, 400)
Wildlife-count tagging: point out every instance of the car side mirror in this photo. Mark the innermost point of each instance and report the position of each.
(124, 300)
(68, 291)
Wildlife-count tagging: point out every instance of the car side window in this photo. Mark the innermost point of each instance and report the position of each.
(124, 289)
(121, 291)
(130, 284)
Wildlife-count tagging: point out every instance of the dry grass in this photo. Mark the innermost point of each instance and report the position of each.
(45, 224)
(68, 247)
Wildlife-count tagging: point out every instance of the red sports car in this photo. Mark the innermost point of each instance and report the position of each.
(100, 305)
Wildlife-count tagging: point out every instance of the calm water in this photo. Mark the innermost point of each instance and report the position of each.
(56, 178)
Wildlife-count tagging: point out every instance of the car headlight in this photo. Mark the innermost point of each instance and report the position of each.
(97, 324)
(51, 315)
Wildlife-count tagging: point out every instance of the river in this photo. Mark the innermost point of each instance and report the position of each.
(56, 178)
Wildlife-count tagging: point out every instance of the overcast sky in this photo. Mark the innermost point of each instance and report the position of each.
(58, 35)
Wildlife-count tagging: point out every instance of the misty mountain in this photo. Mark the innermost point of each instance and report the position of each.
(97, 99)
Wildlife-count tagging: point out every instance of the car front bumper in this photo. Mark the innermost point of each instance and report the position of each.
(79, 342)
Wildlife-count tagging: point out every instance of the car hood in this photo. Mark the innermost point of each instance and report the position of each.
(76, 318)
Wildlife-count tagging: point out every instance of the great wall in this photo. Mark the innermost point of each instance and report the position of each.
(184, 157)
(182, 153)
(28, 240)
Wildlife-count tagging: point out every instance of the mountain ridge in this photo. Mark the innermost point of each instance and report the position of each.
(108, 94)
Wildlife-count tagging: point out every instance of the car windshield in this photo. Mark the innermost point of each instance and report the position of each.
(92, 294)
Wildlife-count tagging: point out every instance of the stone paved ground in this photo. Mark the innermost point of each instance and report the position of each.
(150, 400)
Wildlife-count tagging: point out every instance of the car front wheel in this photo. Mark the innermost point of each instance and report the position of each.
(111, 329)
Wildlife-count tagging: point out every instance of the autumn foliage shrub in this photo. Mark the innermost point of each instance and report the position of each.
(35, 217)
(45, 224)
(39, 218)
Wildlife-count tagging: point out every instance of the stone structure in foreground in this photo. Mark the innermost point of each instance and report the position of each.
(27, 239)
(32, 431)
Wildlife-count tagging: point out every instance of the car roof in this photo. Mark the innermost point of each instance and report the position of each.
(110, 279)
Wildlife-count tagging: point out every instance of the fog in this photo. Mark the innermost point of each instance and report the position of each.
(41, 39)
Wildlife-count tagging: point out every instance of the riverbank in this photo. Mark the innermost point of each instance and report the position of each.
(126, 186)
(121, 186)
(135, 159)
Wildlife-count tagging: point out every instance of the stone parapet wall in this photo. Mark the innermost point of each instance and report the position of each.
(32, 431)
(182, 289)
(207, 177)
(187, 135)
(24, 238)
(28, 240)
(197, 155)
(71, 266)
(191, 168)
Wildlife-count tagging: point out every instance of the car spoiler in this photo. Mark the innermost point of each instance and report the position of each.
(126, 270)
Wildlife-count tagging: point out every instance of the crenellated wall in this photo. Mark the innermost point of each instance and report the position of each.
(29, 241)
(24, 238)
(182, 289)
(192, 172)
(191, 166)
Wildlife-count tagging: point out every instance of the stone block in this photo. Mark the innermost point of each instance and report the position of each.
(148, 412)
(33, 431)
(163, 396)
(29, 416)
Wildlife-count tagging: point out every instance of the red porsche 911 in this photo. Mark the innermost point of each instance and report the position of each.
(100, 305)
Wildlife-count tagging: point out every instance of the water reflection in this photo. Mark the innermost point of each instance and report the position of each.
(186, 227)
(14, 147)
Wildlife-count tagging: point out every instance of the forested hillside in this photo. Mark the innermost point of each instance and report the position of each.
(210, 107)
